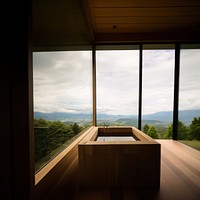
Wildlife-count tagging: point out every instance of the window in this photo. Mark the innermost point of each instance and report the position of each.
(117, 87)
(62, 100)
(189, 94)
(158, 88)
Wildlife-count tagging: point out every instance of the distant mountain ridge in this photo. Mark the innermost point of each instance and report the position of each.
(185, 116)
(61, 115)
(167, 116)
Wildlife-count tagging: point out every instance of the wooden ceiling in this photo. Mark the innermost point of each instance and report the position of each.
(128, 17)
(63, 22)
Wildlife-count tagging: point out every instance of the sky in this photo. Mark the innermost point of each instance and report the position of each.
(117, 82)
(63, 82)
(190, 80)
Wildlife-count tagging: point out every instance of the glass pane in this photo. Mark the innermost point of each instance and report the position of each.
(62, 100)
(117, 87)
(189, 94)
(157, 97)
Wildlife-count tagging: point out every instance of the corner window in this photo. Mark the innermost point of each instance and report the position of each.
(117, 87)
(62, 101)
(158, 90)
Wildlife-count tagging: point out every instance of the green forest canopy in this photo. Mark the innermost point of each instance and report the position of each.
(49, 135)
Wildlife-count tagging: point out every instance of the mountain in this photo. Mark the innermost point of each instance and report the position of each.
(134, 121)
(185, 116)
(165, 116)
(114, 117)
(61, 116)
(127, 121)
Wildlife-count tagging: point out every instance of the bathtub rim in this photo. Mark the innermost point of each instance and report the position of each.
(142, 138)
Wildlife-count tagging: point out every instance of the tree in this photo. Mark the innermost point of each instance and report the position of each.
(49, 135)
(42, 142)
(40, 122)
(168, 133)
(152, 132)
(182, 131)
(75, 128)
(146, 128)
(59, 133)
(195, 128)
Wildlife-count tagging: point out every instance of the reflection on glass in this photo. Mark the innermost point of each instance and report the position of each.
(117, 87)
(189, 94)
(157, 96)
(62, 100)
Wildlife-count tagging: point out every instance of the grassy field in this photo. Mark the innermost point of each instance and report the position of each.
(192, 143)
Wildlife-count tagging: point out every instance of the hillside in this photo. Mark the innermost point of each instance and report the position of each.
(185, 116)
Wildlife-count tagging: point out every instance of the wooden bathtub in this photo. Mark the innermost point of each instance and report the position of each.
(117, 163)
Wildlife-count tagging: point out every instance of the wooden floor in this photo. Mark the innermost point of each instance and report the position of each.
(180, 179)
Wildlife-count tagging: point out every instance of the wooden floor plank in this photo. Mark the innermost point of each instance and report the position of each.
(193, 152)
(185, 168)
(180, 179)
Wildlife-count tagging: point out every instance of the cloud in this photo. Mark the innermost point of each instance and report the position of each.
(117, 81)
(63, 81)
(158, 80)
(189, 79)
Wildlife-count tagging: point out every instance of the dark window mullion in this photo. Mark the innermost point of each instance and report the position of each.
(176, 92)
(94, 113)
(140, 89)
